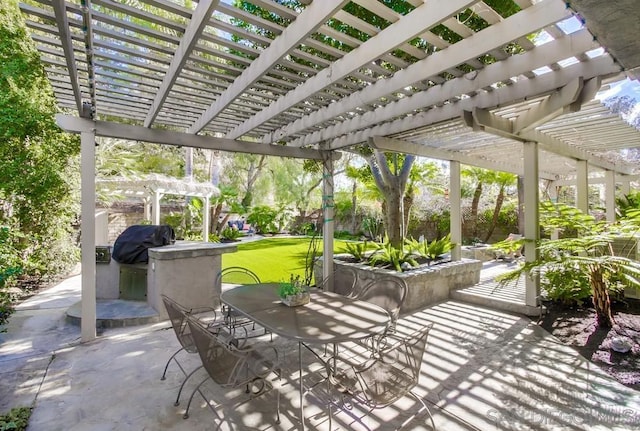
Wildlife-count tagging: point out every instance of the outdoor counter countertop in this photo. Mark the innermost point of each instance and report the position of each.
(189, 249)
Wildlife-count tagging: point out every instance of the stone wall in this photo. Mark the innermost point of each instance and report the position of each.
(426, 284)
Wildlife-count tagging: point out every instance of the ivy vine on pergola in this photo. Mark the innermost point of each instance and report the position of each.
(321, 78)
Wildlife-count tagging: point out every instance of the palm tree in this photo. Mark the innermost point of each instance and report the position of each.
(503, 180)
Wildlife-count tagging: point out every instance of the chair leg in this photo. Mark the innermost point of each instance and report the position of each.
(278, 397)
(164, 374)
(186, 412)
(433, 424)
(177, 403)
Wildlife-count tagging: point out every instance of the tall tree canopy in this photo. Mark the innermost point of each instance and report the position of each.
(37, 163)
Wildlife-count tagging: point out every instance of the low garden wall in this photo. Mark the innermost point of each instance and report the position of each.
(427, 284)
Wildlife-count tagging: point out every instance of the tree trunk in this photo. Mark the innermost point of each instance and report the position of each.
(393, 218)
(354, 212)
(496, 214)
(474, 209)
(601, 300)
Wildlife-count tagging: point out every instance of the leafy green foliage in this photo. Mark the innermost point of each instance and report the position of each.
(38, 163)
(566, 284)
(590, 254)
(292, 287)
(16, 420)
(230, 233)
(263, 218)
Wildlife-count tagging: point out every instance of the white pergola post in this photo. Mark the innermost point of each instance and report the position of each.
(155, 207)
(87, 237)
(610, 195)
(625, 186)
(455, 197)
(206, 218)
(553, 196)
(582, 186)
(327, 215)
(147, 208)
(531, 222)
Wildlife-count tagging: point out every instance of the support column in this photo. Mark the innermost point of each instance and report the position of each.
(327, 214)
(87, 235)
(531, 219)
(553, 196)
(206, 218)
(455, 213)
(625, 187)
(582, 186)
(147, 208)
(610, 195)
(155, 207)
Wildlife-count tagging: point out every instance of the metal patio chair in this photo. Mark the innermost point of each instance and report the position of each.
(342, 281)
(178, 317)
(389, 293)
(384, 379)
(232, 364)
(231, 277)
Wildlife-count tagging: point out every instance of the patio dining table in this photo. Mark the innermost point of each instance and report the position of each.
(329, 318)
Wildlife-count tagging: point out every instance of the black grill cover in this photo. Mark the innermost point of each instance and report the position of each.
(132, 245)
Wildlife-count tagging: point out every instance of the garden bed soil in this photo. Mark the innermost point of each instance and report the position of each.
(577, 327)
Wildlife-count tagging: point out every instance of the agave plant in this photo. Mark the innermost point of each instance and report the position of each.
(387, 254)
(430, 250)
(357, 250)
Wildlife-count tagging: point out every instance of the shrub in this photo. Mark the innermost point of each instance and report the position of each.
(16, 420)
(263, 218)
(565, 284)
(230, 234)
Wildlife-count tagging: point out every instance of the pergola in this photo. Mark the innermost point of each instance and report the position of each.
(159, 71)
(151, 188)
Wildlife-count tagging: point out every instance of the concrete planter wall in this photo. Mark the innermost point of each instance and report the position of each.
(427, 284)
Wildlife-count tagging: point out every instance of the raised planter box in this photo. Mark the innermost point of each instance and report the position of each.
(427, 284)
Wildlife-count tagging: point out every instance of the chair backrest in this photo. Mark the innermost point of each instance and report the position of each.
(410, 352)
(343, 281)
(237, 275)
(178, 316)
(224, 358)
(387, 292)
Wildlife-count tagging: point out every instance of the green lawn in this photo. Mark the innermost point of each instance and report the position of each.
(274, 259)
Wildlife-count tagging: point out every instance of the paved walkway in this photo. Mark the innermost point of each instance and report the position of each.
(483, 370)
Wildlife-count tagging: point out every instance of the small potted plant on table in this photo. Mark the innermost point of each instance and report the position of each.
(293, 292)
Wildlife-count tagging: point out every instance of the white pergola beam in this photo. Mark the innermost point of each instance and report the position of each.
(62, 21)
(498, 97)
(189, 40)
(582, 186)
(455, 208)
(413, 24)
(307, 22)
(551, 107)
(438, 95)
(167, 137)
(407, 147)
(538, 16)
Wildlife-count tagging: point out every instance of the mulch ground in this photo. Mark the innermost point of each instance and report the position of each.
(577, 327)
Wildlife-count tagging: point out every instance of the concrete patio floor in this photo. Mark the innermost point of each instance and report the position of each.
(483, 370)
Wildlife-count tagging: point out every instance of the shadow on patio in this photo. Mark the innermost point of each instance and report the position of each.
(483, 370)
